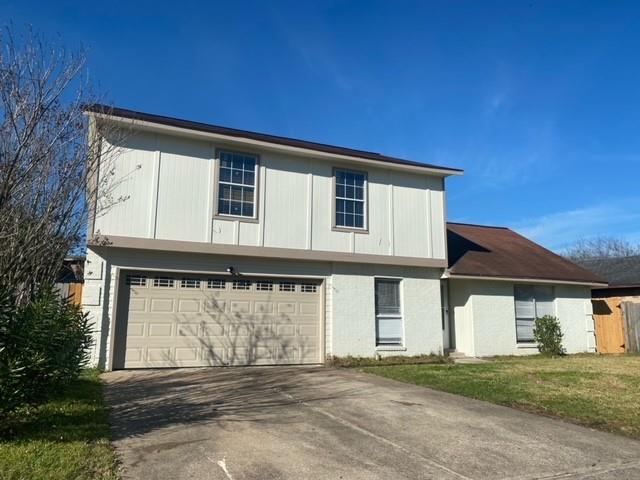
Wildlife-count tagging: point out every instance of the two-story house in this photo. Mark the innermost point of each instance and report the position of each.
(232, 247)
(238, 248)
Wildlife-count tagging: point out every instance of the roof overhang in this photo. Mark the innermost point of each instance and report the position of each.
(448, 275)
(199, 133)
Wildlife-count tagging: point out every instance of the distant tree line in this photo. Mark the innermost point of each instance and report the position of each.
(601, 247)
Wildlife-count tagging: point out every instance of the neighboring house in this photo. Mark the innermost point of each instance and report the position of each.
(621, 273)
(237, 248)
(623, 276)
(499, 282)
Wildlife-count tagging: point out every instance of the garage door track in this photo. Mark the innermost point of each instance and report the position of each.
(320, 423)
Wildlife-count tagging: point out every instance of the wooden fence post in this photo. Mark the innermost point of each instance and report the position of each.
(631, 315)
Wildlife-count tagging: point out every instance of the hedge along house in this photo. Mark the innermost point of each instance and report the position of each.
(241, 248)
(498, 282)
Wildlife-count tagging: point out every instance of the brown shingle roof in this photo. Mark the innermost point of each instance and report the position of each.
(476, 250)
(263, 137)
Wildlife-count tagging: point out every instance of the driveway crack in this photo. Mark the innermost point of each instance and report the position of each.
(375, 436)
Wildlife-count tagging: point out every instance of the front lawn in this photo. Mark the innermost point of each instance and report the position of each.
(64, 438)
(595, 390)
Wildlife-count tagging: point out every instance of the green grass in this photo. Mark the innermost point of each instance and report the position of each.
(594, 390)
(65, 438)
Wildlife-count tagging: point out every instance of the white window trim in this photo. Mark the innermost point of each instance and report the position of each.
(365, 202)
(218, 182)
(387, 346)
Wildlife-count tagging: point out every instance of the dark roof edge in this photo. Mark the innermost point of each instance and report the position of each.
(478, 225)
(537, 279)
(233, 132)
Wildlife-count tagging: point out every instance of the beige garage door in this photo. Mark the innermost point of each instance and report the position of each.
(170, 320)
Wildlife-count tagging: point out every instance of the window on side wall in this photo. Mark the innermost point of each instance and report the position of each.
(350, 199)
(388, 313)
(532, 301)
(237, 184)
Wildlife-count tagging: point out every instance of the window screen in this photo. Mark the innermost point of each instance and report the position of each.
(388, 312)
(350, 199)
(237, 184)
(531, 302)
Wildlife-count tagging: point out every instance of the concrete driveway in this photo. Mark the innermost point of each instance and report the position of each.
(319, 423)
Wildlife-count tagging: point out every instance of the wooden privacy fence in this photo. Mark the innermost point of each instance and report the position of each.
(631, 315)
(609, 325)
(73, 291)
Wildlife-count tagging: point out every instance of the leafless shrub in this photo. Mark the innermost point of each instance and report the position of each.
(49, 154)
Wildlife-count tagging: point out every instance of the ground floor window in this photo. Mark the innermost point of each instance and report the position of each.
(532, 301)
(388, 312)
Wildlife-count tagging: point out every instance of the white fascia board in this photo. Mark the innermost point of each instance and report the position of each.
(186, 132)
(449, 275)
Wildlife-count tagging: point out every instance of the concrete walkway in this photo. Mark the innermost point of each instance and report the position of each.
(320, 423)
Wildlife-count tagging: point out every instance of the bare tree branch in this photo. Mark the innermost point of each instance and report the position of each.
(53, 163)
(601, 247)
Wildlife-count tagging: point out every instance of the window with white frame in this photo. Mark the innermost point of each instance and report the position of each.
(287, 287)
(216, 284)
(190, 283)
(163, 282)
(388, 313)
(532, 301)
(237, 184)
(137, 280)
(350, 199)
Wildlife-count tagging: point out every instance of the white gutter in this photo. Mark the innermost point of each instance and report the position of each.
(272, 146)
(447, 275)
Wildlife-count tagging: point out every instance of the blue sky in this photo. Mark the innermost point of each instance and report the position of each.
(539, 101)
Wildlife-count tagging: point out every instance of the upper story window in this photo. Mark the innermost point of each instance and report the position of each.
(531, 302)
(237, 184)
(350, 201)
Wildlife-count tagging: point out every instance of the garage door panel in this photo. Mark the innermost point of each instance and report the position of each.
(241, 306)
(175, 320)
(188, 305)
(308, 308)
(138, 305)
(161, 305)
(135, 329)
(160, 329)
(263, 307)
(286, 307)
(214, 305)
(189, 330)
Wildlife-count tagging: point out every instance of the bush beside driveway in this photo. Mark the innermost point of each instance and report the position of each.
(594, 390)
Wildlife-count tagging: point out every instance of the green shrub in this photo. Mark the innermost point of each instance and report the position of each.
(548, 335)
(43, 345)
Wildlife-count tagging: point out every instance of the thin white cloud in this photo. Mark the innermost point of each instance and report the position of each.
(560, 229)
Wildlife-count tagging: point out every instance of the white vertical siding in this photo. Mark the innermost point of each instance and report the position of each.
(168, 183)
(223, 231)
(183, 190)
(285, 201)
(322, 237)
(410, 216)
(131, 187)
